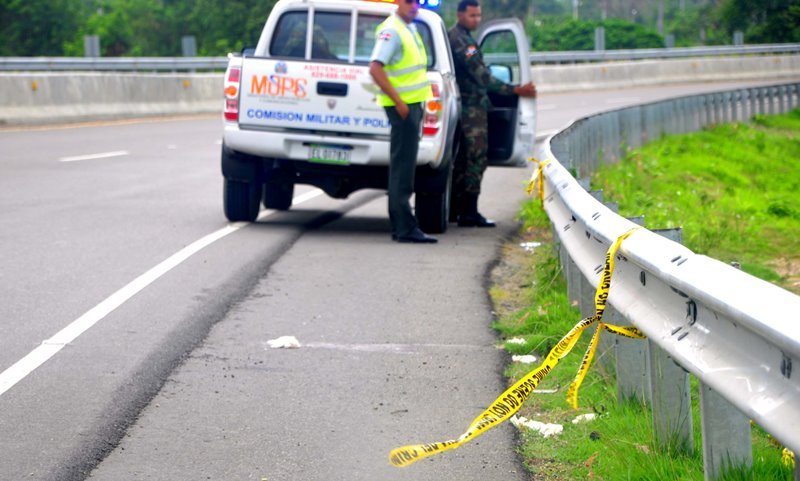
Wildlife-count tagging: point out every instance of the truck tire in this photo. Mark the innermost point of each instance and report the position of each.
(433, 208)
(241, 200)
(278, 195)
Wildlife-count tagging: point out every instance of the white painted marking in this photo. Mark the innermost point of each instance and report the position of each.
(104, 155)
(49, 347)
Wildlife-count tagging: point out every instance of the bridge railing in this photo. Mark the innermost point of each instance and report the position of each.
(739, 335)
(219, 63)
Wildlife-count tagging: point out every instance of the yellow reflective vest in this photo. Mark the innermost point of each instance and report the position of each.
(409, 75)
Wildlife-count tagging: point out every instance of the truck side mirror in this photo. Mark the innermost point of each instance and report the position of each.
(501, 72)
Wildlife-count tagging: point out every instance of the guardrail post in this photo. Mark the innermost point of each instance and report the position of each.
(782, 99)
(745, 105)
(727, 442)
(728, 109)
(726, 435)
(669, 390)
(631, 356)
(684, 121)
(599, 39)
(719, 108)
(668, 112)
(700, 107)
(91, 46)
(189, 46)
(611, 138)
(738, 106)
(705, 110)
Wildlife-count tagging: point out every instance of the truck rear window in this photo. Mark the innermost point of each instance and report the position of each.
(332, 35)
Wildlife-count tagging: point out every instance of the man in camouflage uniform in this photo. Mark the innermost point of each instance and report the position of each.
(474, 82)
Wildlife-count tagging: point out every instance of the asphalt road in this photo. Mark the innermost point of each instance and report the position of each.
(135, 319)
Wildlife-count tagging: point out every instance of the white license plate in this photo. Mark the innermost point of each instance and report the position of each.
(330, 154)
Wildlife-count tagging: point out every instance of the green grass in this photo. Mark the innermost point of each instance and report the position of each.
(734, 189)
(715, 184)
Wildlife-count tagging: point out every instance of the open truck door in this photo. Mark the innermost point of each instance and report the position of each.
(512, 120)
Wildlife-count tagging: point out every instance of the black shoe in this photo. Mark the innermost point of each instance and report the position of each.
(475, 220)
(415, 237)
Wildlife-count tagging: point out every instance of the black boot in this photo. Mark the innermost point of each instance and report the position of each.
(470, 217)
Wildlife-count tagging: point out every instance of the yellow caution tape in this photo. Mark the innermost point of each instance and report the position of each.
(512, 398)
(788, 457)
(600, 299)
(537, 179)
(572, 391)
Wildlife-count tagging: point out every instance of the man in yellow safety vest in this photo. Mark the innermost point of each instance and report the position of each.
(399, 66)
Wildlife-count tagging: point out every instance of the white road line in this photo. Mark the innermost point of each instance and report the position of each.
(49, 347)
(104, 155)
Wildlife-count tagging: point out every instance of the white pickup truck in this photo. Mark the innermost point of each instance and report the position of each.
(300, 109)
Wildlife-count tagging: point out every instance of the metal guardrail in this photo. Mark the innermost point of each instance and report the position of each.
(737, 334)
(219, 63)
(660, 53)
(133, 64)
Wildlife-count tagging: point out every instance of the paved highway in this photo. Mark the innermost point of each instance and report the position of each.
(135, 319)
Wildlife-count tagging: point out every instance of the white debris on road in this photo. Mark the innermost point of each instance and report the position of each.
(530, 246)
(546, 429)
(584, 418)
(285, 342)
(516, 340)
(526, 359)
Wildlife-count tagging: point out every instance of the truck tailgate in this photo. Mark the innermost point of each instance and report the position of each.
(309, 96)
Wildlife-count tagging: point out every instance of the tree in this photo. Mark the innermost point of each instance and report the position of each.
(37, 27)
(222, 27)
(762, 21)
(569, 34)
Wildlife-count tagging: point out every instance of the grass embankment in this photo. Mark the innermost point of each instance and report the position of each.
(734, 190)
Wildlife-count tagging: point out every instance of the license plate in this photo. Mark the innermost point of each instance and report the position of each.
(330, 154)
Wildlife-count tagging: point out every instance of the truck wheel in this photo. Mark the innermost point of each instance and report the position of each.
(433, 208)
(241, 200)
(278, 195)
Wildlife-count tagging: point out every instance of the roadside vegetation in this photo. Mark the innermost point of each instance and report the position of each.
(156, 27)
(740, 179)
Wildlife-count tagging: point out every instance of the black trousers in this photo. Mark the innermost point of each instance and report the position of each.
(403, 150)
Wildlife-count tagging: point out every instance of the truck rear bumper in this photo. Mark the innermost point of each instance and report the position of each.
(285, 144)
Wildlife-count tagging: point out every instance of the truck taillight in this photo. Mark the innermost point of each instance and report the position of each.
(231, 111)
(432, 121)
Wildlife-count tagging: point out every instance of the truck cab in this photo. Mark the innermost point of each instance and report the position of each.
(301, 109)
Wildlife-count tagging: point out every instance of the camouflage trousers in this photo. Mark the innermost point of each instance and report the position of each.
(470, 163)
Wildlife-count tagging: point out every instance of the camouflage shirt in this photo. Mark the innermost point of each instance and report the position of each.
(473, 77)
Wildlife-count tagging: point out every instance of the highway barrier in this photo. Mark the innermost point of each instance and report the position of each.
(96, 89)
(738, 335)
